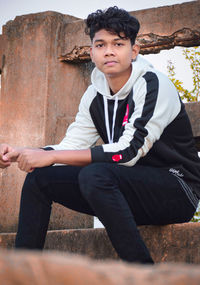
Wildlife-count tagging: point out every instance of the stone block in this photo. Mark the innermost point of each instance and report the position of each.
(39, 99)
(91, 242)
(167, 20)
(54, 268)
(2, 56)
(170, 243)
(40, 95)
(193, 110)
(161, 28)
(173, 243)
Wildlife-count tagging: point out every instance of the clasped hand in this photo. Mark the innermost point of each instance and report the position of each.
(4, 161)
(27, 158)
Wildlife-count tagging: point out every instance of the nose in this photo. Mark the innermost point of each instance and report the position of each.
(109, 50)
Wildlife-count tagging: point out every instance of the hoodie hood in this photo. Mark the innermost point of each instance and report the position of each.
(99, 82)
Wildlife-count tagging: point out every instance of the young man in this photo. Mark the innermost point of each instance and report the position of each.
(146, 172)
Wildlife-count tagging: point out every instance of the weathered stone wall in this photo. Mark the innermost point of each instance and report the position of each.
(39, 98)
(40, 95)
(161, 28)
(169, 26)
(2, 48)
(168, 243)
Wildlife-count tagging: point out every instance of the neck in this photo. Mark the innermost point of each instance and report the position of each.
(116, 82)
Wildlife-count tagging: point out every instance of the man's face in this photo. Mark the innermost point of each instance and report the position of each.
(112, 54)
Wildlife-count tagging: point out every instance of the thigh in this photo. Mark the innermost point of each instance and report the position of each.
(153, 194)
(60, 184)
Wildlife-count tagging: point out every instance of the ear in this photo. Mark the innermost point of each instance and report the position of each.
(91, 54)
(135, 51)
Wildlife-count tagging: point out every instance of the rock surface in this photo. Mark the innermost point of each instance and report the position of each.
(39, 99)
(40, 95)
(161, 28)
(59, 269)
(170, 243)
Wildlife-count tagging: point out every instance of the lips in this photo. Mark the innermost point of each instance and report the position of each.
(110, 63)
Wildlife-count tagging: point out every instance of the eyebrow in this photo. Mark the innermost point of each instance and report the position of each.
(116, 39)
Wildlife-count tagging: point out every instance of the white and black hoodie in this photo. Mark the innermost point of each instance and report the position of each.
(145, 122)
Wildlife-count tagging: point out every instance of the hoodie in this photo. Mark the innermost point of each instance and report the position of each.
(145, 122)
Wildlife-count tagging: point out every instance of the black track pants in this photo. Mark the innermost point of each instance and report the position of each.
(121, 197)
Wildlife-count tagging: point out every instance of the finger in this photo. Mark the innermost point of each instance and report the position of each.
(27, 169)
(30, 170)
(10, 155)
(4, 149)
(5, 164)
(21, 167)
(22, 163)
(5, 158)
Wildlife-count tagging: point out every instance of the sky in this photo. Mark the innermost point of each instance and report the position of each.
(9, 9)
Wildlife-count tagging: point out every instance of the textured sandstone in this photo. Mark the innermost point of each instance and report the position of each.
(169, 26)
(161, 28)
(193, 110)
(38, 101)
(170, 243)
(2, 48)
(40, 94)
(53, 268)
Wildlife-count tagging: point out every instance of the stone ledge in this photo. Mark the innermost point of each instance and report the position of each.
(193, 110)
(161, 28)
(56, 268)
(149, 43)
(170, 243)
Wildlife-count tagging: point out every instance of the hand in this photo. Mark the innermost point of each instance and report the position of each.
(29, 159)
(4, 160)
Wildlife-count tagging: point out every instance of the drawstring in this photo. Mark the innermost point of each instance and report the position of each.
(110, 137)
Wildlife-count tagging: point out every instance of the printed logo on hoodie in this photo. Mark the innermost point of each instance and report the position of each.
(125, 120)
(117, 157)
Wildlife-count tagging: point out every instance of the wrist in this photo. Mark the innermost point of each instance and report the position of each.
(53, 156)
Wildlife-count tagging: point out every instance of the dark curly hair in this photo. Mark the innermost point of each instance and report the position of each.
(114, 20)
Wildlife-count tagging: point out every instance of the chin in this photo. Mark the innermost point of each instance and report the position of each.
(111, 74)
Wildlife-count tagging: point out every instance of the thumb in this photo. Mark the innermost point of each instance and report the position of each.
(10, 155)
(5, 158)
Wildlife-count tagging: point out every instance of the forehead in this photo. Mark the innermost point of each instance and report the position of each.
(107, 35)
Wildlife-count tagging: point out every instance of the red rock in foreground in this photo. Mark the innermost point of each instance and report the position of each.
(56, 268)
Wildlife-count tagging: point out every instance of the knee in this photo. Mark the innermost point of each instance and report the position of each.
(94, 178)
(35, 185)
(88, 181)
(34, 180)
(88, 176)
(30, 177)
(29, 185)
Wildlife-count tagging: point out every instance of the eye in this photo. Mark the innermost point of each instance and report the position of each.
(99, 45)
(119, 44)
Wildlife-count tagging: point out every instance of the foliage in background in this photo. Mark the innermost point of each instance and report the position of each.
(196, 217)
(193, 56)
